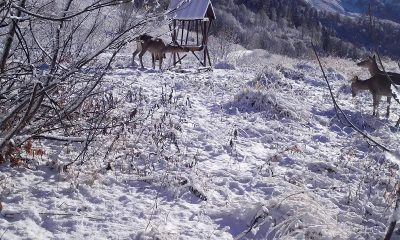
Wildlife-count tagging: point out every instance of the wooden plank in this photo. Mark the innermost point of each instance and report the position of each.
(187, 34)
(198, 58)
(197, 31)
(205, 43)
(208, 55)
(180, 60)
(194, 48)
(183, 28)
(206, 69)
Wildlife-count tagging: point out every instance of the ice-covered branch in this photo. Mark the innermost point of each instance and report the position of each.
(90, 8)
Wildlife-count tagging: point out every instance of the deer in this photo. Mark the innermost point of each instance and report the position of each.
(370, 63)
(156, 47)
(378, 85)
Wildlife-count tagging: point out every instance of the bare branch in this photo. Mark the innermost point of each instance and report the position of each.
(394, 218)
(9, 40)
(90, 8)
(59, 138)
(24, 119)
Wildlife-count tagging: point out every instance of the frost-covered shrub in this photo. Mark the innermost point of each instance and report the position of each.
(304, 218)
(270, 78)
(272, 93)
(274, 103)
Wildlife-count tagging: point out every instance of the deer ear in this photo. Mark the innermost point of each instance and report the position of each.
(354, 79)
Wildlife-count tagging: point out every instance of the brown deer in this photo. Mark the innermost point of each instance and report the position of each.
(156, 47)
(378, 85)
(373, 69)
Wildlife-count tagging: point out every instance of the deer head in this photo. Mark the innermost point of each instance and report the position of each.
(367, 62)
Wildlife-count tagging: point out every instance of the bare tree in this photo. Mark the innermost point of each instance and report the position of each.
(55, 56)
(224, 43)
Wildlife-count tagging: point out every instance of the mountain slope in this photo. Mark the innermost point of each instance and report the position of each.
(288, 27)
(258, 154)
(385, 9)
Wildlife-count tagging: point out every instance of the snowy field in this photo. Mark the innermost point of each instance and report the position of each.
(254, 152)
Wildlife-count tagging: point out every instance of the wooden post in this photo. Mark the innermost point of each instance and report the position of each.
(174, 40)
(183, 28)
(187, 34)
(208, 31)
(197, 32)
(205, 43)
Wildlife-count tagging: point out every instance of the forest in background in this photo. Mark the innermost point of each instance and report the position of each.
(287, 27)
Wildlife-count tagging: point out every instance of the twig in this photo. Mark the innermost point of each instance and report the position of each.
(384, 70)
(336, 105)
(393, 218)
(1, 237)
(56, 214)
(257, 221)
(154, 209)
(65, 18)
(71, 214)
(59, 138)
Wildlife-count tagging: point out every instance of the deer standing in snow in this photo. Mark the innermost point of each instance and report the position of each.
(378, 85)
(156, 47)
(373, 69)
(372, 66)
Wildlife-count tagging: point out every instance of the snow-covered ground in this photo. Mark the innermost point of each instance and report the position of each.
(254, 152)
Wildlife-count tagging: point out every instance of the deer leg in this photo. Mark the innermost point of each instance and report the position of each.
(376, 100)
(389, 101)
(374, 103)
(138, 49)
(140, 57)
(134, 55)
(161, 59)
(153, 59)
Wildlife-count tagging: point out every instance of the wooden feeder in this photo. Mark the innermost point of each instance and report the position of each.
(190, 27)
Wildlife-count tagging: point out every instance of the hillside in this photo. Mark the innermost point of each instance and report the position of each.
(94, 146)
(288, 27)
(250, 153)
(384, 9)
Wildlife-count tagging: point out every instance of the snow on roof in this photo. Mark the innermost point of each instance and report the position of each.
(191, 9)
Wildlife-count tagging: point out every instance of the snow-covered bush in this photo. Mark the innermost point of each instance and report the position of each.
(273, 94)
(270, 78)
(273, 103)
(140, 137)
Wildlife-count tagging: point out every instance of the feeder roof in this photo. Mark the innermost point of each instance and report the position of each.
(191, 9)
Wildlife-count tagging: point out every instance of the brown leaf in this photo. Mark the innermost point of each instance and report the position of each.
(28, 147)
(40, 152)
